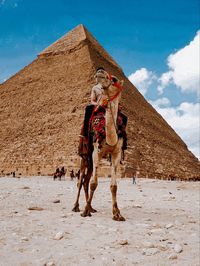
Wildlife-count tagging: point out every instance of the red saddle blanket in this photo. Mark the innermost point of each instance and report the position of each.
(97, 125)
(95, 130)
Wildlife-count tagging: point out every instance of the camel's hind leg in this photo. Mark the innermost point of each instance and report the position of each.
(93, 185)
(86, 187)
(113, 186)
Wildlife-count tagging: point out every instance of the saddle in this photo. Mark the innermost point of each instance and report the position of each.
(93, 129)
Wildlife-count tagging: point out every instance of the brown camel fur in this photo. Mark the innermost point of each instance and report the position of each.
(112, 145)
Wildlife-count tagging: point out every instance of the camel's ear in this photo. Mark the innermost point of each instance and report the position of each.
(121, 82)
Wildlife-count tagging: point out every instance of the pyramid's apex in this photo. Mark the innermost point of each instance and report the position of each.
(67, 42)
(73, 39)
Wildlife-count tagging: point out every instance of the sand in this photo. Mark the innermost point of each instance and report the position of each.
(161, 227)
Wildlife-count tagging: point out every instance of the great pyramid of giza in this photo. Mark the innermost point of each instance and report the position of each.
(42, 108)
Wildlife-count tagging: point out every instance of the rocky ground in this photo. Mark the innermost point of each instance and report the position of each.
(39, 228)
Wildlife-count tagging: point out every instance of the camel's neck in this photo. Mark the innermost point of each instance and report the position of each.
(111, 122)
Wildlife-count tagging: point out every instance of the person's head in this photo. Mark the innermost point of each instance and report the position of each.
(100, 68)
(102, 77)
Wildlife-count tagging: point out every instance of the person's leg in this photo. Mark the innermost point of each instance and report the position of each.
(84, 136)
(88, 112)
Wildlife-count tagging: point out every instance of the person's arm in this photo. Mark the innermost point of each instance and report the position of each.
(93, 97)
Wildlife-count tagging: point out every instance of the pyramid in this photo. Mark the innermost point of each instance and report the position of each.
(42, 109)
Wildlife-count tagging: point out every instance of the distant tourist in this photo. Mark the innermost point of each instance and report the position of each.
(59, 173)
(78, 174)
(136, 176)
(72, 174)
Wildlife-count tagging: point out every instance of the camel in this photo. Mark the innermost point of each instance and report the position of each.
(110, 145)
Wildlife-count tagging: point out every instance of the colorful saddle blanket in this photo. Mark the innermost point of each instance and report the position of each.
(97, 125)
(93, 129)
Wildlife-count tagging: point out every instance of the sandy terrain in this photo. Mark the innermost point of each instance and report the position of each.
(161, 227)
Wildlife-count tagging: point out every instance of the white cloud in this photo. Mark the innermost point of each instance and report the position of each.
(164, 80)
(142, 79)
(161, 102)
(184, 74)
(183, 68)
(184, 119)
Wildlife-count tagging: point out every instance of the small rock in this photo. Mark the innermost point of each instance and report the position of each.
(50, 263)
(150, 251)
(56, 201)
(177, 223)
(137, 206)
(123, 242)
(58, 236)
(162, 247)
(24, 238)
(35, 209)
(64, 216)
(157, 231)
(171, 198)
(191, 221)
(169, 226)
(173, 256)
(156, 225)
(148, 245)
(25, 187)
(178, 248)
(148, 220)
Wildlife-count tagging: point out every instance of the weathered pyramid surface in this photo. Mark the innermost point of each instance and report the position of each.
(73, 40)
(42, 109)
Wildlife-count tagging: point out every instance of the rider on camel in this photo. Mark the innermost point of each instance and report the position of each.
(96, 95)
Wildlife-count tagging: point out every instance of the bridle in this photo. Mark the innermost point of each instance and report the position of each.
(115, 84)
(108, 100)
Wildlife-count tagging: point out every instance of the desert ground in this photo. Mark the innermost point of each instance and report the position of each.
(161, 227)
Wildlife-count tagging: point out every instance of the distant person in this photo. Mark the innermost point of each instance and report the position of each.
(62, 170)
(56, 174)
(136, 176)
(72, 174)
(78, 174)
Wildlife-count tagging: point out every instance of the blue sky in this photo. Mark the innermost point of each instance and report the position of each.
(150, 40)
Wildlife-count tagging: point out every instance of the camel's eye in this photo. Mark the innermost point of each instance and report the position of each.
(114, 79)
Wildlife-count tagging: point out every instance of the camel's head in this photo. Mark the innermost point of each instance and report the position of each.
(115, 86)
(102, 77)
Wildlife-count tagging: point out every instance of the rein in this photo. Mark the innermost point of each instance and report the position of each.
(110, 99)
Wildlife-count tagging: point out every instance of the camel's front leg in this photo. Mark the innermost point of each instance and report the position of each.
(113, 187)
(76, 204)
(80, 183)
(93, 184)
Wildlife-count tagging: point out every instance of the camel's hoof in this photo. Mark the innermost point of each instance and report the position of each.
(93, 210)
(76, 209)
(86, 213)
(118, 217)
